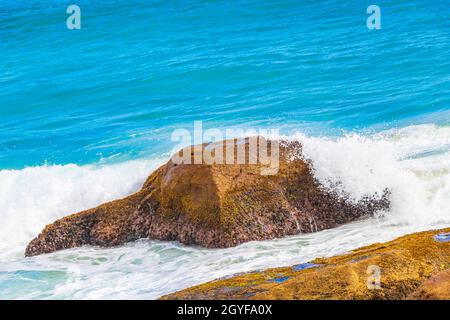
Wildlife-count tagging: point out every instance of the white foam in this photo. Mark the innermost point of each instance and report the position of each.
(35, 196)
(413, 163)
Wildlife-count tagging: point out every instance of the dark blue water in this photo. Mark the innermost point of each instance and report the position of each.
(116, 89)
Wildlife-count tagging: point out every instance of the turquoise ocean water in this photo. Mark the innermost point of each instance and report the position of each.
(85, 115)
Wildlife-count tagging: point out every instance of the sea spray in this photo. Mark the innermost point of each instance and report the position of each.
(413, 162)
(36, 196)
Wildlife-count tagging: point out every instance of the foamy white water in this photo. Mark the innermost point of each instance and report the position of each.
(413, 162)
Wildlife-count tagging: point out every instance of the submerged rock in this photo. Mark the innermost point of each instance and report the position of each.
(411, 267)
(213, 205)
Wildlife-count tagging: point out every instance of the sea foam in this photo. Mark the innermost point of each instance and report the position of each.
(412, 162)
(33, 197)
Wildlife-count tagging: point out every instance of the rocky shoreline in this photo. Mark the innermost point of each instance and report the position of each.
(415, 266)
(213, 205)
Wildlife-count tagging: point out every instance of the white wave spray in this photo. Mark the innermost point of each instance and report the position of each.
(35, 196)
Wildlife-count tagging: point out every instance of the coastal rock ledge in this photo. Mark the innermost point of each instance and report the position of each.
(213, 205)
(415, 266)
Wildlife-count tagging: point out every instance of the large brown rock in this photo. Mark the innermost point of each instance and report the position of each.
(217, 205)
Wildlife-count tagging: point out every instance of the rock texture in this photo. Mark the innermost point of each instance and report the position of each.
(217, 205)
(435, 288)
(415, 266)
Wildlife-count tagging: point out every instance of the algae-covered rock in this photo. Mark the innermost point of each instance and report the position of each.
(213, 205)
(393, 270)
(435, 288)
